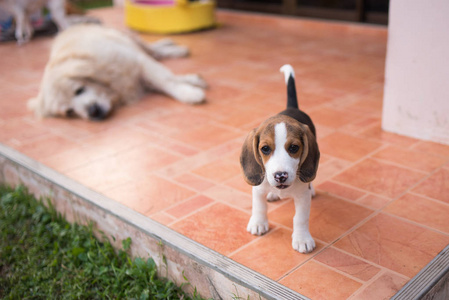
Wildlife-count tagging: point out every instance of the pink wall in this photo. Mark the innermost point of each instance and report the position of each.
(416, 92)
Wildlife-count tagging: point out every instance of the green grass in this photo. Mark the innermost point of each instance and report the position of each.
(89, 4)
(44, 257)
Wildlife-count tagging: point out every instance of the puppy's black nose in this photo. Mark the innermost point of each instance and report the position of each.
(95, 112)
(280, 177)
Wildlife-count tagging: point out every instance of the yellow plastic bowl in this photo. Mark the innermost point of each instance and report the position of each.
(180, 17)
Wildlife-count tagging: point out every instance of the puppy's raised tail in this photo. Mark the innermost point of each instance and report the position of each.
(289, 74)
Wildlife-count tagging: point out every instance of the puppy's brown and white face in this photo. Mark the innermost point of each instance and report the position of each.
(281, 149)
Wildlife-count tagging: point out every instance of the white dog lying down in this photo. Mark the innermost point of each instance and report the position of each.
(23, 9)
(93, 69)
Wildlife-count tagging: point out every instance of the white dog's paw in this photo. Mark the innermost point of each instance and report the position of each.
(190, 94)
(271, 197)
(163, 42)
(193, 79)
(257, 226)
(166, 48)
(303, 243)
(173, 51)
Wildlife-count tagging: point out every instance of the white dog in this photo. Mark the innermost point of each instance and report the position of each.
(280, 159)
(93, 69)
(21, 10)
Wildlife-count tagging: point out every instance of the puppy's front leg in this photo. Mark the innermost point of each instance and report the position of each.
(302, 240)
(258, 223)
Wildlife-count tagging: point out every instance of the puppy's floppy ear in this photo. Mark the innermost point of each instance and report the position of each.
(310, 157)
(250, 161)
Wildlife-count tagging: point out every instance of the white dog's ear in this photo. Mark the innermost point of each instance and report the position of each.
(250, 160)
(308, 164)
(37, 105)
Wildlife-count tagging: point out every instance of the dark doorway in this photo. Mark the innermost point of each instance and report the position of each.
(367, 11)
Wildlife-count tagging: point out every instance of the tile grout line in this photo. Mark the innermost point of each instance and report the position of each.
(190, 214)
(418, 183)
(421, 142)
(417, 224)
(204, 155)
(342, 273)
(356, 202)
(436, 201)
(370, 263)
(170, 139)
(247, 211)
(258, 238)
(367, 284)
(293, 269)
(330, 244)
(387, 162)
(354, 163)
(366, 193)
(409, 189)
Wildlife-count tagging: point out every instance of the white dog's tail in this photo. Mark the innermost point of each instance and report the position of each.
(289, 75)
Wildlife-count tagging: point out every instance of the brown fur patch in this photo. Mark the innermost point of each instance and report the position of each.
(266, 133)
(253, 170)
(266, 139)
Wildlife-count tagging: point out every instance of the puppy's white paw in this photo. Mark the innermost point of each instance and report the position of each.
(190, 94)
(271, 197)
(257, 226)
(303, 243)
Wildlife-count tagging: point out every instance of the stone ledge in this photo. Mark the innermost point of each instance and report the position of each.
(432, 282)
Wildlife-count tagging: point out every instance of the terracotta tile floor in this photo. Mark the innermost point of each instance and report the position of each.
(380, 214)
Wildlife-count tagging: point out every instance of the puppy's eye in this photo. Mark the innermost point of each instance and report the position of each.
(293, 149)
(265, 150)
(70, 112)
(79, 91)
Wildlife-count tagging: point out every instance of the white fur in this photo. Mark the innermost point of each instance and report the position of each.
(287, 70)
(271, 197)
(301, 192)
(280, 160)
(23, 9)
(113, 68)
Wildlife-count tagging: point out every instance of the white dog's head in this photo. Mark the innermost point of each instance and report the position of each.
(67, 94)
(280, 149)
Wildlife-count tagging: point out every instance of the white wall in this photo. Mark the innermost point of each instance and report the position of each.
(416, 93)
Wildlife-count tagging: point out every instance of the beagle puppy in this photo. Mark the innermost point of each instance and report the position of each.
(280, 159)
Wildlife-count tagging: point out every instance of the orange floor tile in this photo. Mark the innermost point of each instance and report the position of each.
(380, 214)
